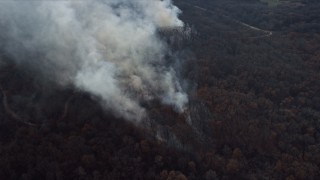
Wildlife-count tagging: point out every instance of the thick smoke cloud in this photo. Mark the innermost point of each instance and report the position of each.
(109, 48)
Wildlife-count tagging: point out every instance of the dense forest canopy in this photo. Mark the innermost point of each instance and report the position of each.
(251, 69)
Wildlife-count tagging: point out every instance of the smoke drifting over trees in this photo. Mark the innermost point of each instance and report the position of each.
(108, 48)
(93, 89)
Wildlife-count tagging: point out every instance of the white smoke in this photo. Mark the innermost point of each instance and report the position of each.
(109, 48)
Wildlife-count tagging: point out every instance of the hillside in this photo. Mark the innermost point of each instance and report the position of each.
(253, 75)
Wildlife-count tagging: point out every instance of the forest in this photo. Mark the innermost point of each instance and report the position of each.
(253, 74)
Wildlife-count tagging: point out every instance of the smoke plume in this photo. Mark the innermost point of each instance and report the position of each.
(109, 48)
